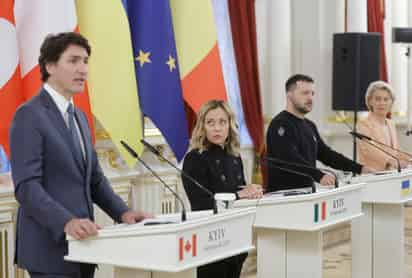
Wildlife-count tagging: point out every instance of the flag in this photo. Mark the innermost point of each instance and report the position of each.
(197, 51)
(227, 56)
(35, 19)
(187, 246)
(112, 80)
(157, 70)
(405, 188)
(319, 214)
(10, 84)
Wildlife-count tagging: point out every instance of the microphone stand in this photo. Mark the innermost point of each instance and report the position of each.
(313, 186)
(184, 174)
(277, 160)
(369, 141)
(134, 154)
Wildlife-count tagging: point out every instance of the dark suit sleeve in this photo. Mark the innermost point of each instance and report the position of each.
(282, 143)
(26, 143)
(334, 159)
(196, 167)
(101, 190)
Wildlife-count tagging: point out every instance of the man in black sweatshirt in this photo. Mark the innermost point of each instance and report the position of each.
(293, 138)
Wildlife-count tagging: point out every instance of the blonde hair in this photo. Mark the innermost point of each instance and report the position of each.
(199, 139)
(373, 87)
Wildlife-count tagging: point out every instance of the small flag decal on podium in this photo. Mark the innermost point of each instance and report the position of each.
(319, 214)
(406, 189)
(187, 247)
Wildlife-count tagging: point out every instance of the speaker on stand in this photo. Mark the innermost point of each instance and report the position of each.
(356, 63)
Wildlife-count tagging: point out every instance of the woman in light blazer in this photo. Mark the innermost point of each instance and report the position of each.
(379, 99)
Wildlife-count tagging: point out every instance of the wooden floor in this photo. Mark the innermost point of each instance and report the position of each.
(337, 259)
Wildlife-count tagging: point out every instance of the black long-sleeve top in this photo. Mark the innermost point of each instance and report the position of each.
(215, 169)
(297, 140)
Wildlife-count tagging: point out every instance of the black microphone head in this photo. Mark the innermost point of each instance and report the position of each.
(129, 149)
(353, 134)
(150, 147)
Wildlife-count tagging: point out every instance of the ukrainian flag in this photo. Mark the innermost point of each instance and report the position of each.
(112, 79)
(405, 188)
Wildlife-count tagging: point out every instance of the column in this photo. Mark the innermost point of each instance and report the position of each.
(273, 20)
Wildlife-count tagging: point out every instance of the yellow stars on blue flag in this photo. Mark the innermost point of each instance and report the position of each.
(143, 57)
(171, 63)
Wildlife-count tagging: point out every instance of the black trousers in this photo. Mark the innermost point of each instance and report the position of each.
(227, 268)
(86, 271)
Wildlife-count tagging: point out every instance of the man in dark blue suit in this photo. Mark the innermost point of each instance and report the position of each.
(55, 170)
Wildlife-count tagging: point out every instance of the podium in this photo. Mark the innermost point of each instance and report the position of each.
(378, 237)
(167, 250)
(290, 229)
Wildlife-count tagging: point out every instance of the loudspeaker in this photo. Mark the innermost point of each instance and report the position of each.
(356, 63)
(402, 35)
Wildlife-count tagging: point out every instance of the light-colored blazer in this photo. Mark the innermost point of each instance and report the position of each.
(371, 156)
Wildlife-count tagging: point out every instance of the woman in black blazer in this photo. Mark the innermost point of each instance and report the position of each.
(214, 161)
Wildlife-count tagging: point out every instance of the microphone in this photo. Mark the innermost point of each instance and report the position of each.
(312, 185)
(368, 140)
(358, 135)
(134, 154)
(184, 174)
(361, 136)
(277, 160)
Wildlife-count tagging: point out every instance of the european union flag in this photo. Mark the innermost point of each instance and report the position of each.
(157, 70)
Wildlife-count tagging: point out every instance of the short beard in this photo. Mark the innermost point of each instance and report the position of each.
(302, 109)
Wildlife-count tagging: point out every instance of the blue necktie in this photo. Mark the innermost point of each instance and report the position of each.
(77, 149)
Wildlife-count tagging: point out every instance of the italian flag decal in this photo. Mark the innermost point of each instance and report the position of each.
(319, 212)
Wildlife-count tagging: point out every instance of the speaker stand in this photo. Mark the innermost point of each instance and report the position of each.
(355, 121)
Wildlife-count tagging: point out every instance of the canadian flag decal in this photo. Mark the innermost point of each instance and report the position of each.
(187, 246)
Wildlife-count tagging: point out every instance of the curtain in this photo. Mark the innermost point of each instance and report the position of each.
(376, 15)
(243, 25)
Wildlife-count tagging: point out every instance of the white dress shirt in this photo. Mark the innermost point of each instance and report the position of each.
(62, 104)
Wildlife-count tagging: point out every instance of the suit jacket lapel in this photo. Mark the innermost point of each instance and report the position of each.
(59, 123)
(88, 148)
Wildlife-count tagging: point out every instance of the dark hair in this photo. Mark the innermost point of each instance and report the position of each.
(291, 82)
(54, 45)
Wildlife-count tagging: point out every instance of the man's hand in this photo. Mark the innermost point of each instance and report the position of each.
(132, 217)
(81, 228)
(251, 191)
(327, 179)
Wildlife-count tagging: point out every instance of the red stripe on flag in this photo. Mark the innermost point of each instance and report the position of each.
(10, 99)
(323, 210)
(181, 249)
(6, 10)
(205, 81)
(194, 249)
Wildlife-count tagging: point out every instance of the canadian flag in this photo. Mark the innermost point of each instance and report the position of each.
(187, 247)
(35, 19)
(11, 95)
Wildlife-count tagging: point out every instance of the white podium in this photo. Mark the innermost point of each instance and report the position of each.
(290, 229)
(168, 250)
(378, 237)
